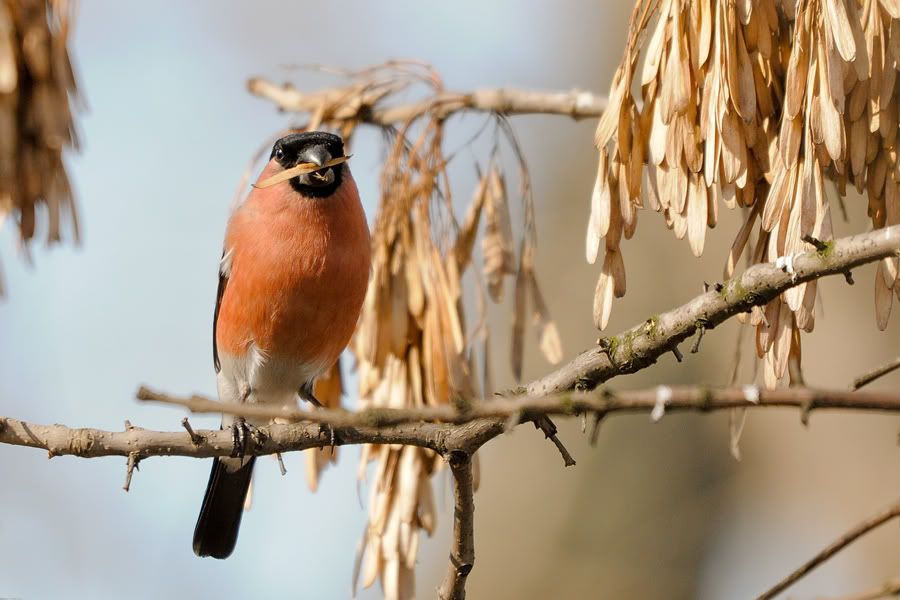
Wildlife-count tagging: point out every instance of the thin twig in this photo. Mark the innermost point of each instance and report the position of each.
(462, 552)
(549, 430)
(196, 439)
(874, 374)
(132, 464)
(832, 549)
(696, 347)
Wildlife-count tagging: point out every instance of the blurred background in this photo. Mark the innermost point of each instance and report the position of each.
(654, 511)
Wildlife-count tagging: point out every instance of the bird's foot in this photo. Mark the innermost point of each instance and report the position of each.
(306, 393)
(323, 427)
(241, 435)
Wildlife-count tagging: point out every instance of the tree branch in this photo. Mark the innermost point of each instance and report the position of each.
(874, 374)
(640, 346)
(528, 408)
(509, 101)
(444, 429)
(462, 553)
(835, 547)
(59, 440)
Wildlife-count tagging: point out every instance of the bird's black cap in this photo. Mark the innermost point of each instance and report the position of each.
(311, 147)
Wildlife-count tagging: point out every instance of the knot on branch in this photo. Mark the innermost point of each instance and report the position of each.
(462, 568)
(80, 443)
(458, 458)
(461, 403)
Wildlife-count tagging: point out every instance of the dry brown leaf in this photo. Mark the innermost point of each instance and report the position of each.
(496, 243)
(883, 299)
(838, 25)
(598, 224)
(300, 169)
(550, 343)
(603, 295)
(517, 343)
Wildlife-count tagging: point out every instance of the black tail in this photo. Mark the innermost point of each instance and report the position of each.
(220, 517)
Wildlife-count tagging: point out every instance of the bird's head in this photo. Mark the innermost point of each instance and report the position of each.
(314, 147)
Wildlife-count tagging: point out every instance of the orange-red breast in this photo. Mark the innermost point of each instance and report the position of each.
(292, 279)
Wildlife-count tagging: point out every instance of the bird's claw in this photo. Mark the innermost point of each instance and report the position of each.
(327, 427)
(306, 393)
(241, 435)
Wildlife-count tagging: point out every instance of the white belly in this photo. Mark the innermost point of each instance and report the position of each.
(255, 377)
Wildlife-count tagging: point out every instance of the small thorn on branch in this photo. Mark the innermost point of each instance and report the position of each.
(133, 461)
(819, 244)
(549, 429)
(281, 463)
(196, 438)
(678, 355)
(606, 346)
(701, 329)
(805, 409)
(848, 277)
(595, 428)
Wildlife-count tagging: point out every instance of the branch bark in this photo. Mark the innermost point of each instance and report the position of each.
(575, 104)
(444, 429)
(462, 553)
(59, 440)
(528, 408)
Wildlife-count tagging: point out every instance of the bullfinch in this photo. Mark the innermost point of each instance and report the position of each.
(292, 280)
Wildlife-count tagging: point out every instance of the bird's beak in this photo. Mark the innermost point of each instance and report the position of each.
(317, 155)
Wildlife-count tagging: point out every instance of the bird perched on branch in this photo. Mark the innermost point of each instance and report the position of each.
(292, 280)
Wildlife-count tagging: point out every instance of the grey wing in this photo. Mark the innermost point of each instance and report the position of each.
(223, 282)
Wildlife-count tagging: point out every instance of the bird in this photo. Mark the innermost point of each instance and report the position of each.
(292, 280)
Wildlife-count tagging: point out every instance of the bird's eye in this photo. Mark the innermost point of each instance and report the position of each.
(279, 154)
